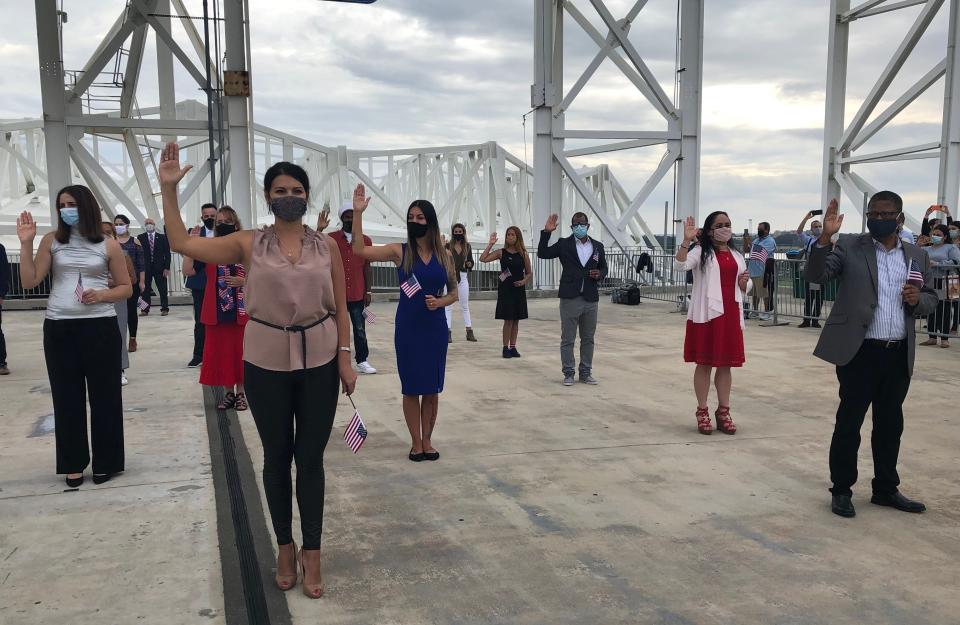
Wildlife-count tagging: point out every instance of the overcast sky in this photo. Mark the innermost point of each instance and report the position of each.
(405, 73)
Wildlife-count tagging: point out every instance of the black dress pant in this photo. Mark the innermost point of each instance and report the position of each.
(133, 320)
(198, 331)
(812, 304)
(3, 342)
(876, 376)
(155, 276)
(83, 359)
(294, 413)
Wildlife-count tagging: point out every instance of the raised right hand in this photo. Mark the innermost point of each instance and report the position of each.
(360, 199)
(493, 240)
(169, 170)
(689, 229)
(26, 227)
(552, 222)
(832, 220)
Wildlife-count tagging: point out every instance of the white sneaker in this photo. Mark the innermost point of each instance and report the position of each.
(366, 367)
(123, 379)
(765, 316)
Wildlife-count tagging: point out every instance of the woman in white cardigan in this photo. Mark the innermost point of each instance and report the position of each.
(714, 338)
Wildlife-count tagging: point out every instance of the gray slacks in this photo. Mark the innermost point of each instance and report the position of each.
(577, 314)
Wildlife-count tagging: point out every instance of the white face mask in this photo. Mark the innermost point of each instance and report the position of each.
(121, 229)
(816, 231)
(722, 234)
(150, 228)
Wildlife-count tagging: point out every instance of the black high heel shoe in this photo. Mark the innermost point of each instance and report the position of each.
(75, 482)
(100, 479)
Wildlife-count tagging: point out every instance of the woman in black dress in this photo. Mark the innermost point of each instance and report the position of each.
(515, 274)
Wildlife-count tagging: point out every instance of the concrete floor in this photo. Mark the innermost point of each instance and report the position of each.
(548, 505)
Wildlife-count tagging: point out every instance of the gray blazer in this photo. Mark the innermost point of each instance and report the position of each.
(854, 262)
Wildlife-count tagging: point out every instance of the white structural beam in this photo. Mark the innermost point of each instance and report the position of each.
(54, 102)
(690, 90)
(241, 190)
(948, 190)
(838, 45)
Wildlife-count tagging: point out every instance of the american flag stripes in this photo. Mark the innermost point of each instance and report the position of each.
(504, 275)
(78, 292)
(369, 316)
(759, 254)
(411, 286)
(142, 304)
(356, 433)
(914, 275)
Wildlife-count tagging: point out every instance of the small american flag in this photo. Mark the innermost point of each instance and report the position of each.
(759, 254)
(411, 286)
(369, 316)
(504, 276)
(78, 292)
(914, 275)
(142, 304)
(356, 433)
(596, 257)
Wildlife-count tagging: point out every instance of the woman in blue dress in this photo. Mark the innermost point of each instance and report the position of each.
(424, 270)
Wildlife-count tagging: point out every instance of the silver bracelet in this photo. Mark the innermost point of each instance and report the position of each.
(345, 349)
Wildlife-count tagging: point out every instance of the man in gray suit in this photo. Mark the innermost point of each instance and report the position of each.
(869, 336)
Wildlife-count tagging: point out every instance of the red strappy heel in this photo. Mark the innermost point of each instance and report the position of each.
(724, 422)
(704, 425)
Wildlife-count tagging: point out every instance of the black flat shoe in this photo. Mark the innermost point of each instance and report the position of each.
(898, 501)
(100, 479)
(420, 457)
(75, 482)
(431, 455)
(506, 353)
(514, 353)
(842, 505)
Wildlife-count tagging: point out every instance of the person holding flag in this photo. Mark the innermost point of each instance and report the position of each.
(515, 274)
(884, 284)
(424, 269)
(761, 251)
(81, 339)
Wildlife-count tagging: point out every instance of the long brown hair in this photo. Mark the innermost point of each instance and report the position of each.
(520, 246)
(434, 242)
(87, 209)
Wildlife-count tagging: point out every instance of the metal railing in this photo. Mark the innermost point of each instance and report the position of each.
(790, 297)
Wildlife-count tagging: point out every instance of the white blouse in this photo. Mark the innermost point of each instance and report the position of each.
(706, 300)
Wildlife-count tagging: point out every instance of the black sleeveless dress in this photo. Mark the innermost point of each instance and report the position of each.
(511, 300)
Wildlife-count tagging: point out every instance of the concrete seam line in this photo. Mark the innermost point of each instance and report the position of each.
(241, 548)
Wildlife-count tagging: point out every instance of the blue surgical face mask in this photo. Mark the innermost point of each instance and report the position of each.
(936, 240)
(955, 234)
(70, 215)
(579, 230)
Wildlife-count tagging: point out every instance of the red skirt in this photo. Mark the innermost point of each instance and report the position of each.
(222, 355)
(717, 343)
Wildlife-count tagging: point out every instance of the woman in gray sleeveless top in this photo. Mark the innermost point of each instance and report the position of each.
(81, 341)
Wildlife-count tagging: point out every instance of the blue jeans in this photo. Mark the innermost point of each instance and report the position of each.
(359, 330)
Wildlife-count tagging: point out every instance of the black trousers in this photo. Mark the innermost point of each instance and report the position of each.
(155, 276)
(877, 376)
(83, 358)
(938, 322)
(294, 413)
(3, 342)
(133, 321)
(812, 304)
(198, 332)
(359, 325)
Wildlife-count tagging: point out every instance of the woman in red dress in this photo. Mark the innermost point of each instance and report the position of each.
(715, 315)
(224, 317)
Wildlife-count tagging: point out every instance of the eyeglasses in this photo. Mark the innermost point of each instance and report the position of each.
(885, 215)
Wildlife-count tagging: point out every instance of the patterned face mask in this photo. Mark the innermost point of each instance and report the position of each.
(288, 207)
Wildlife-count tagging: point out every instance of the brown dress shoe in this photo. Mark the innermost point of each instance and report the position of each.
(132, 347)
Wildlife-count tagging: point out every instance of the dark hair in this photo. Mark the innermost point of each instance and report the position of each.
(283, 168)
(87, 209)
(706, 240)
(433, 236)
(762, 223)
(942, 228)
(122, 218)
(208, 205)
(580, 214)
(886, 196)
(458, 225)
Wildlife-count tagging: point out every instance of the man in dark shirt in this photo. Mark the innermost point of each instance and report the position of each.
(4, 286)
(197, 284)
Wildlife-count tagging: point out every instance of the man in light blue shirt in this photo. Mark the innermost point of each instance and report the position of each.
(757, 268)
(813, 299)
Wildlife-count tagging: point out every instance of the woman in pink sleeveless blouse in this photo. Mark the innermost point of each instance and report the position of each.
(296, 348)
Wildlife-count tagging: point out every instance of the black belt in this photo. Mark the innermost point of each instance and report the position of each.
(302, 330)
(883, 344)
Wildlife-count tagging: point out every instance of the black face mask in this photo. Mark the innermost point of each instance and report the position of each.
(348, 226)
(459, 237)
(761, 233)
(415, 230)
(209, 222)
(881, 228)
(223, 230)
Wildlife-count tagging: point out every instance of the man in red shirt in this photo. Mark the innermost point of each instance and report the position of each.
(359, 279)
